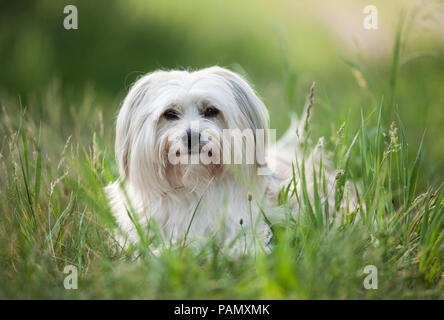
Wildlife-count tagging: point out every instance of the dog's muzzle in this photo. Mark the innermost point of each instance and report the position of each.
(193, 141)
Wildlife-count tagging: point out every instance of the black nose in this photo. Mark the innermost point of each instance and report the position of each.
(189, 135)
(189, 140)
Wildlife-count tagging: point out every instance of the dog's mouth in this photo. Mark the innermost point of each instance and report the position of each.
(195, 152)
(202, 153)
(192, 170)
(196, 156)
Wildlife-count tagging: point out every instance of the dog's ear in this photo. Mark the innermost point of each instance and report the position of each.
(124, 134)
(255, 114)
(250, 105)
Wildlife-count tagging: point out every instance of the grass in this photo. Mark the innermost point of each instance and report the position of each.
(53, 213)
(56, 158)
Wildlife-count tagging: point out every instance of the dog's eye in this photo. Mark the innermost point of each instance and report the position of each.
(210, 112)
(171, 115)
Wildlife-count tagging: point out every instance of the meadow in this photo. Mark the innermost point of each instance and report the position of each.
(381, 119)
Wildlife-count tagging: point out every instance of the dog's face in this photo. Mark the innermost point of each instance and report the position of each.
(170, 129)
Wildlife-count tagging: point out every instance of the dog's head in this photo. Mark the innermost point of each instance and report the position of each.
(172, 128)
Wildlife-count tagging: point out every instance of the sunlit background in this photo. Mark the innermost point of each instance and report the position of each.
(280, 46)
(60, 91)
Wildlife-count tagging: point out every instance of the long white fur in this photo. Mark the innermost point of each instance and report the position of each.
(154, 189)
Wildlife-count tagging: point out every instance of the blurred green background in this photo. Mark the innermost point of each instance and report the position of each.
(280, 46)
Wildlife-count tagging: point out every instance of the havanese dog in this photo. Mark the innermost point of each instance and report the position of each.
(194, 155)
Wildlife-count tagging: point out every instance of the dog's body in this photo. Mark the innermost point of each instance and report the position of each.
(157, 122)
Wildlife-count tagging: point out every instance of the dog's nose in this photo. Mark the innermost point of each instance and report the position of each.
(189, 140)
(192, 140)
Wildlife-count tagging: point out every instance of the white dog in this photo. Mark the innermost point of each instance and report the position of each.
(169, 116)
